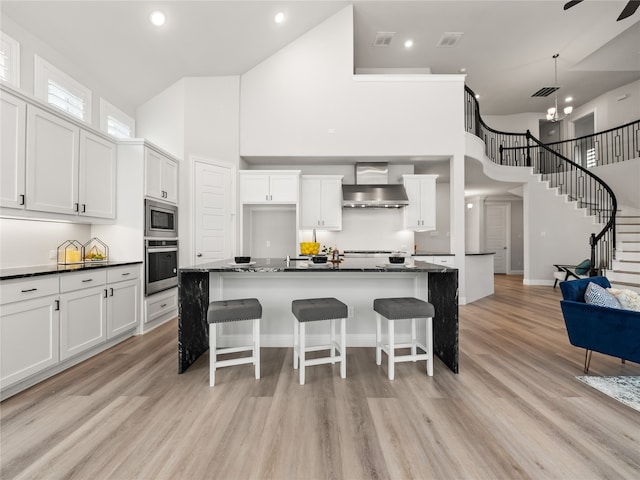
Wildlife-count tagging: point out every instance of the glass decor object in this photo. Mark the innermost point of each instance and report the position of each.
(95, 250)
(70, 252)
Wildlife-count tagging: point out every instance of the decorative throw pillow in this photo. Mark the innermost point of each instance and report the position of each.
(583, 267)
(629, 300)
(596, 295)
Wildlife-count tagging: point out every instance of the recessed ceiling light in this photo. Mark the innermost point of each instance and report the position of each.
(568, 99)
(408, 43)
(279, 18)
(463, 70)
(157, 18)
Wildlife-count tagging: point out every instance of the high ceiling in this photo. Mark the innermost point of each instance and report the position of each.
(506, 48)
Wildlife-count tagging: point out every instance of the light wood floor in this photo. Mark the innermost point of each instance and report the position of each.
(514, 411)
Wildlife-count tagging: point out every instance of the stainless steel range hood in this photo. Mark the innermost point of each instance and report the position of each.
(372, 189)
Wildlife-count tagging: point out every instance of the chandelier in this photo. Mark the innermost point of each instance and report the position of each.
(552, 113)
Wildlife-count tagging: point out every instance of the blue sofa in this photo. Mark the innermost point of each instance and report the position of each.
(606, 330)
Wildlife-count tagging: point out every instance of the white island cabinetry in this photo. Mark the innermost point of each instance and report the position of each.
(321, 202)
(420, 214)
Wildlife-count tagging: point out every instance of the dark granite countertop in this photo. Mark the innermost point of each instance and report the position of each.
(36, 270)
(346, 265)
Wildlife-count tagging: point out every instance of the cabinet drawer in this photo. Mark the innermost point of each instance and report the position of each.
(120, 274)
(447, 261)
(161, 304)
(85, 279)
(25, 289)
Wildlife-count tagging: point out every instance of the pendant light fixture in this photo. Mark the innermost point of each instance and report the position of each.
(552, 113)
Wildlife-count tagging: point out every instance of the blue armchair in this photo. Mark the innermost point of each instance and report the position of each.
(611, 331)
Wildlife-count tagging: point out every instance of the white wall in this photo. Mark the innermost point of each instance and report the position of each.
(31, 44)
(305, 100)
(27, 242)
(623, 178)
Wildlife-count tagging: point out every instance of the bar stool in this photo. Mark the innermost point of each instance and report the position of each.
(313, 310)
(400, 309)
(225, 311)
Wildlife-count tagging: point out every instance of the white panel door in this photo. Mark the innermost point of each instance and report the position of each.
(12, 148)
(214, 212)
(97, 188)
(496, 232)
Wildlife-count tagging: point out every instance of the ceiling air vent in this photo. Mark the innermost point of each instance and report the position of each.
(449, 39)
(383, 39)
(545, 91)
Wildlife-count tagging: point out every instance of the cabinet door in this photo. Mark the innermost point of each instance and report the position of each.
(170, 180)
(82, 320)
(332, 204)
(412, 213)
(97, 186)
(12, 150)
(122, 307)
(283, 188)
(28, 338)
(311, 203)
(428, 203)
(52, 163)
(153, 174)
(254, 188)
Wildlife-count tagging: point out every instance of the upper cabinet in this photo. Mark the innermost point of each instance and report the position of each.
(420, 214)
(12, 143)
(97, 178)
(269, 186)
(161, 177)
(321, 202)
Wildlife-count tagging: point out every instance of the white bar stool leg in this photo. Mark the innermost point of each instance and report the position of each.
(296, 345)
(333, 341)
(413, 338)
(392, 349)
(302, 352)
(256, 346)
(429, 346)
(212, 353)
(343, 347)
(378, 340)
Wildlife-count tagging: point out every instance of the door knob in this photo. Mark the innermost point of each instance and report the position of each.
(199, 255)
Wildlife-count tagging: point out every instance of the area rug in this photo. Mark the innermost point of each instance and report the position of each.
(625, 389)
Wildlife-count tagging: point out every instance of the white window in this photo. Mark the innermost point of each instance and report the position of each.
(9, 60)
(115, 122)
(61, 91)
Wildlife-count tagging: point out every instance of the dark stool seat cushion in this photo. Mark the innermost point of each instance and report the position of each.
(312, 309)
(234, 310)
(403, 307)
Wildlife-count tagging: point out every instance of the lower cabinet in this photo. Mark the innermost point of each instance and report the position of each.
(83, 320)
(28, 338)
(162, 306)
(122, 307)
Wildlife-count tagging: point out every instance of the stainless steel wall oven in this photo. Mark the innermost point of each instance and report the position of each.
(161, 265)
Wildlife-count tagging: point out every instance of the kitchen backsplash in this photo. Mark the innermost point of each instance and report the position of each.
(28, 242)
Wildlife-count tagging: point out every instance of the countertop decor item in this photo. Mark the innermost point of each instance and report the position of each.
(242, 259)
(309, 248)
(95, 250)
(70, 252)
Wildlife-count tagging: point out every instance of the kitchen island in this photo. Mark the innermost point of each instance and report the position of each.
(276, 282)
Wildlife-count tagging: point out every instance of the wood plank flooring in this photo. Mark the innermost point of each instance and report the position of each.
(515, 411)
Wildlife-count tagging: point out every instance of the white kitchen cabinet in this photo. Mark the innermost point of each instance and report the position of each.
(262, 186)
(13, 113)
(97, 176)
(123, 284)
(52, 163)
(161, 306)
(161, 176)
(83, 311)
(445, 260)
(321, 202)
(420, 214)
(29, 328)
(68, 170)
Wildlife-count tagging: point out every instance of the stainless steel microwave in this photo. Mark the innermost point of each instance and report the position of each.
(160, 219)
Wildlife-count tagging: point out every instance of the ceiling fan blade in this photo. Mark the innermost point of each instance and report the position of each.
(572, 3)
(630, 9)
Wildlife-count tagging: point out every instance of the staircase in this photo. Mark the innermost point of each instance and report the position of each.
(625, 271)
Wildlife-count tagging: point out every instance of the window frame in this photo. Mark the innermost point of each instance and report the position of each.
(14, 60)
(109, 110)
(44, 72)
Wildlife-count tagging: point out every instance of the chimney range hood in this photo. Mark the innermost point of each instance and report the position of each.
(372, 189)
